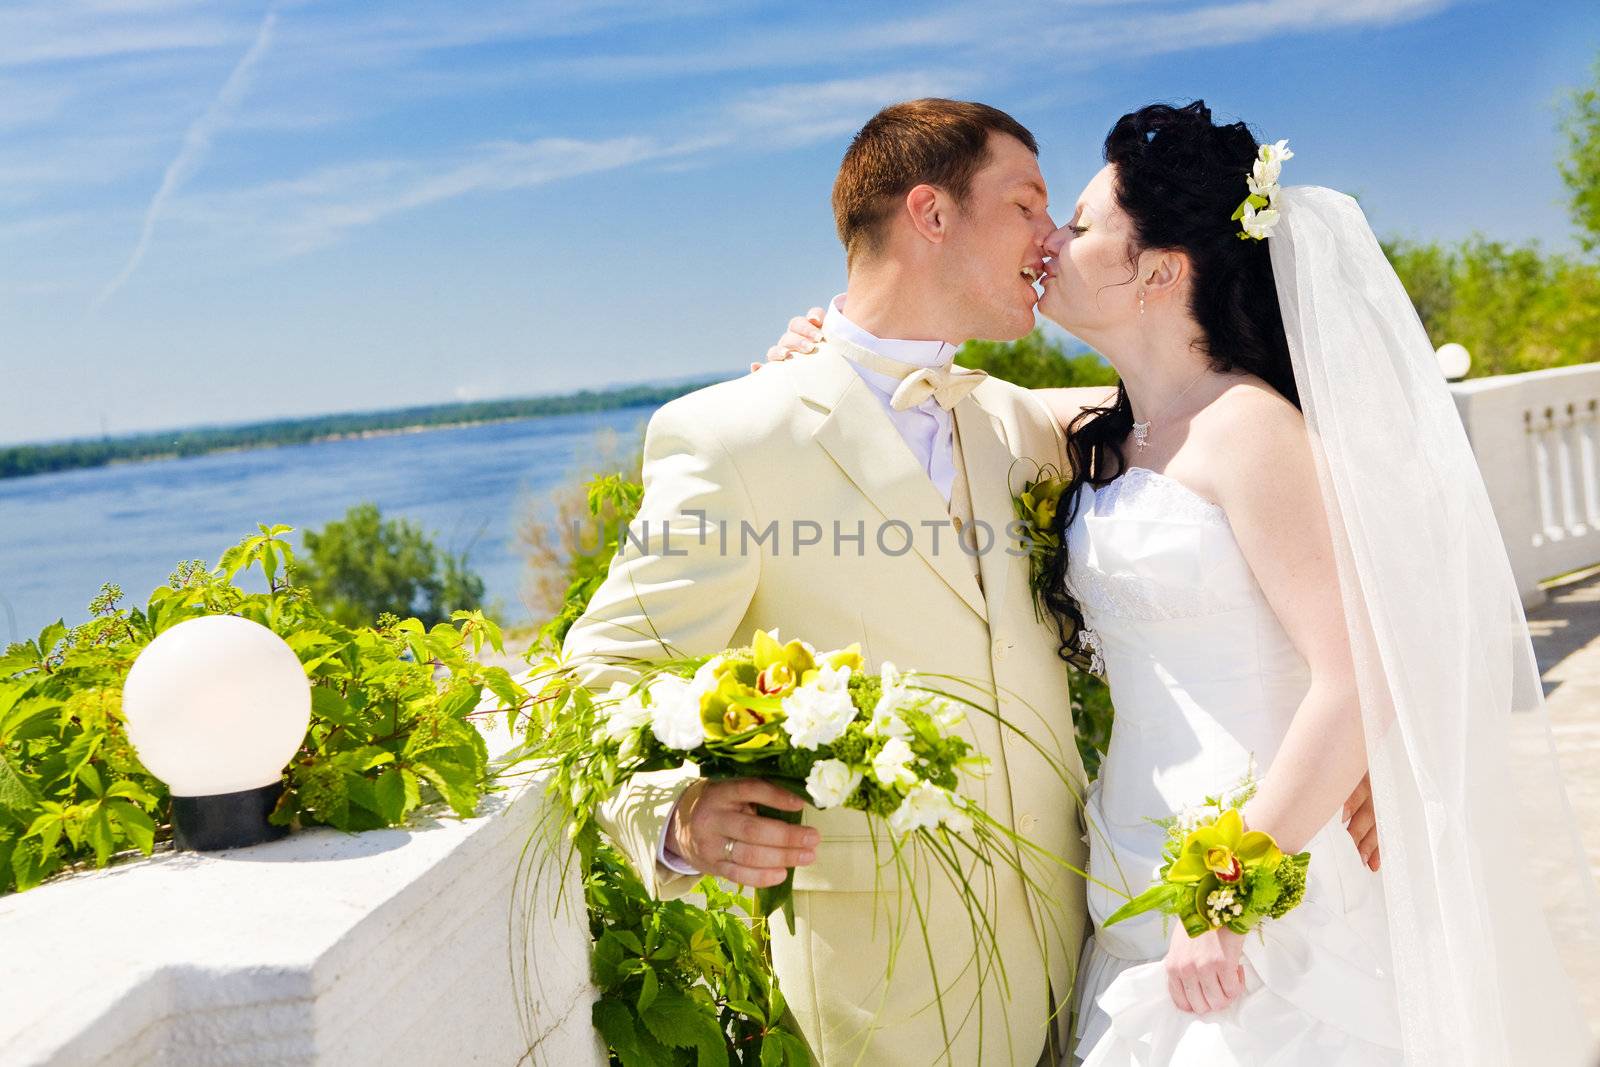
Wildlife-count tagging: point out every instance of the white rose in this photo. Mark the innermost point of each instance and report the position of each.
(817, 716)
(675, 714)
(624, 713)
(928, 806)
(831, 782)
(892, 765)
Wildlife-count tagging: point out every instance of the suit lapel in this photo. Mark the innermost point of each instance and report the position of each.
(857, 434)
(989, 459)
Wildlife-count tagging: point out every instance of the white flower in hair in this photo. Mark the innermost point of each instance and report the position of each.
(1276, 153)
(1259, 224)
(1258, 215)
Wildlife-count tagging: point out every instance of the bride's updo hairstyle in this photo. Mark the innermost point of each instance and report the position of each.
(1179, 178)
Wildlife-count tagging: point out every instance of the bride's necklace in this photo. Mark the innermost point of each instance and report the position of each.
(1141, 430)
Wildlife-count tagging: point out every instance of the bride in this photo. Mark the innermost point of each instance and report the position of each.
(1277, 548)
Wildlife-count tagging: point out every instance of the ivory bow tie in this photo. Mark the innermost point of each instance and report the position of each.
(946, 384)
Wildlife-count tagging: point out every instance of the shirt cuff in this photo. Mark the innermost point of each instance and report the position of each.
(667, 857)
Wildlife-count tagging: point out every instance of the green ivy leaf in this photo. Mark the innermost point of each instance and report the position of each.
(137, 826)
(675, 1020)
(389, 794)
(457, 784)
(327, 703)
(648, 991)
(16, 793)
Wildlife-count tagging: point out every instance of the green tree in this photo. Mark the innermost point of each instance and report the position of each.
(1037, 362)
(1580, 121)
(364, 565)
(1515, 307)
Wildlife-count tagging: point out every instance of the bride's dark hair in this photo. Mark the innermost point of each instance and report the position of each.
(1179, 178)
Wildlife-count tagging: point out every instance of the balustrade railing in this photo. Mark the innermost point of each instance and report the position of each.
(1537, 440)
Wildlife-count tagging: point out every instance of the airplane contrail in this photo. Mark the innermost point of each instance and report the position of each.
(196, 142)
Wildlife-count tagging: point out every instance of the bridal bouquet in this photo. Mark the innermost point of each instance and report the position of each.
(816, 723)
(1217, 874)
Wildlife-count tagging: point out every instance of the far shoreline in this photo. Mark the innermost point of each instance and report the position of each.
(29, 460)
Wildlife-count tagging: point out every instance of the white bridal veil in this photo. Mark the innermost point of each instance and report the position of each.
(1463, 771)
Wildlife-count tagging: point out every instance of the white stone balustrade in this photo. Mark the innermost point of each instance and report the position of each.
(404, 946)
(1537, 440)
(395, 947)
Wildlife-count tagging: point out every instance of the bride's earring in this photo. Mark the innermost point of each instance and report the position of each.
(1141, 301)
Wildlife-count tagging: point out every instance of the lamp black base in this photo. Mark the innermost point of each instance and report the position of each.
(225, 820)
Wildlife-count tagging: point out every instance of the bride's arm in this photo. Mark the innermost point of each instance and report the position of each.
(1269, 489)
(1268, 486)
(804, 331)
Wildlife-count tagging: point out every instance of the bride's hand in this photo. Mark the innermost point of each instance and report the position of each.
(800, 339)
(1204, 973)
(1362, 821)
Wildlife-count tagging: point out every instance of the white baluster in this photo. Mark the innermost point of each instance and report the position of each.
(1551, 530)
(1566, 470)
(1590, 462)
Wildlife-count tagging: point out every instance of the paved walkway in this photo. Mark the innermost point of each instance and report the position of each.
(1566, 639)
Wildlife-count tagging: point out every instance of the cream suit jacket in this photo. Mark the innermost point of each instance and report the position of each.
(804, 451)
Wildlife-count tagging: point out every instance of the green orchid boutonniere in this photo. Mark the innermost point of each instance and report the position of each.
(1035, 507)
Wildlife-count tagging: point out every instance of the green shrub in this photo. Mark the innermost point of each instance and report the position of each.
(390, 725)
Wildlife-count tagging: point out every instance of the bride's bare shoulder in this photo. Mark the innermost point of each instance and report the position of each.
(1067, 404)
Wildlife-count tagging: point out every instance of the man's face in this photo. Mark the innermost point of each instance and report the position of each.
(996, 241)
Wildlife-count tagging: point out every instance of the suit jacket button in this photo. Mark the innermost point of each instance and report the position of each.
(1001, 647)
(1026, 824)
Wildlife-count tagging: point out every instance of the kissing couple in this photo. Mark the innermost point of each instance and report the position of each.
(1273, 542)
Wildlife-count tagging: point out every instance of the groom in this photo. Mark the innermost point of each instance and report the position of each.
(863, 495)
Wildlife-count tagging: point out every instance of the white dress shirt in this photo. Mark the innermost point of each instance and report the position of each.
(926, 429)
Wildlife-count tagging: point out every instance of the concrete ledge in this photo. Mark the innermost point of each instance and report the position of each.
(392, 946)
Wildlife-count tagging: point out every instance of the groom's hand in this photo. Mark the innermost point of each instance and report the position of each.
(1361, 820)
(716, 829)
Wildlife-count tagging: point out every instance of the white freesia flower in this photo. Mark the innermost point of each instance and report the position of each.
(1259, 224)
(625, 712)
(948, 714)
(928, 806)
(831, 782)
(896, 693)
(892, 765)
(1264, 174)
(1275, 153)
(818, 712)
(675, 713)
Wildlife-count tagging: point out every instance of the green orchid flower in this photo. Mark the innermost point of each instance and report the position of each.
(779, 667)
(1223, 850)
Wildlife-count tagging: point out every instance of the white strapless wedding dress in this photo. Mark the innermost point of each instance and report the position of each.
(1205, 683)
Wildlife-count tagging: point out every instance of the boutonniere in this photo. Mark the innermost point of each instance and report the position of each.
(1035, 506)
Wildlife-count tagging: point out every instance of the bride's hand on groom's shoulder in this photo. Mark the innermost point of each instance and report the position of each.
(716, 829)
(799, 340)
(1204, 974)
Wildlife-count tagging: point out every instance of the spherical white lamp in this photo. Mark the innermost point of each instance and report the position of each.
(215, 707)
(1454, 360)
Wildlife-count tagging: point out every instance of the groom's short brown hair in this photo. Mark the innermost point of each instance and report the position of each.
(920, 142)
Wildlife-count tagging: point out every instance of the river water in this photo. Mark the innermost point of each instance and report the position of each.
(63, 534)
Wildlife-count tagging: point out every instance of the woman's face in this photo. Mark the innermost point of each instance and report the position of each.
(1091, 285)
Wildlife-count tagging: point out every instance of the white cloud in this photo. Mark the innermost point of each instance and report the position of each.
(196, 143)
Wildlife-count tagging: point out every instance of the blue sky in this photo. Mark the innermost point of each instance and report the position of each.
(212, 212)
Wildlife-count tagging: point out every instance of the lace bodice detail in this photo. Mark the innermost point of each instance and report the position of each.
(1147, 547)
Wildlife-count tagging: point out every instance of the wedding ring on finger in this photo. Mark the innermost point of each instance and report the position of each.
(727, 849)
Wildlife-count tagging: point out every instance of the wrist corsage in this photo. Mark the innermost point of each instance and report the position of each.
(1218, 874)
